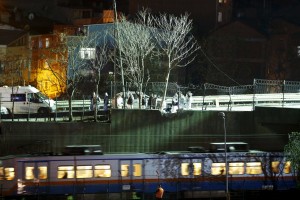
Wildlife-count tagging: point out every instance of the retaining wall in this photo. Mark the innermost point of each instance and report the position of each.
(149, 131)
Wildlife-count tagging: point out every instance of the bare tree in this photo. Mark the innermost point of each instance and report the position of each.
(135, 44)
(175, 41)
(96, 46)
(65, 53)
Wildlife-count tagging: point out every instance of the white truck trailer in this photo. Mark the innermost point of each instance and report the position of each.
(25, 100)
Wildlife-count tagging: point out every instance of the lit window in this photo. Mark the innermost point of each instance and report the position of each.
(33, 44)
(62, 37)
(9, 173)
(1, 66)
(29, 173)
(47, 42)
(218, 169)
(102, 171)
(287, 167)
(275, 167)
(184, 169)
(197, 169)
(253, 168)
(124, 170)
(137, 170)
(43, 172)
(64, 172)
(87, 53)
(1, 173)
(219, 16)
(236, 168)
(84, 172)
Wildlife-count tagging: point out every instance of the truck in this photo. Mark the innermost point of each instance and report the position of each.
(25, 100)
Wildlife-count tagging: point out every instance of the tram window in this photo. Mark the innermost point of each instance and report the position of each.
(185, 169)
(29, 173)
(9, 173)
(253, 168)
(84, 172)
(275, 167)
(43, 172)
(287, 167)
(64, 172)
(1, 173)
(137, 170)
(197, 169)
(102, 171)
(218, 169)
(236, 168)
(125, 170)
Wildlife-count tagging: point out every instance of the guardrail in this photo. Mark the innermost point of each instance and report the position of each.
(246, 102)
(76, 105)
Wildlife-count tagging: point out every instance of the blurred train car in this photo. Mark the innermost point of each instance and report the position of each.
(183, 175)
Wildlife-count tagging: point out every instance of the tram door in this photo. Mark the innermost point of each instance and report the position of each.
(132, 174)
(35, 177)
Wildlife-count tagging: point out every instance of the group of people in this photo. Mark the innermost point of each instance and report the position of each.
(181, 101)
(96, 100)
(129, 101)
(147, 102)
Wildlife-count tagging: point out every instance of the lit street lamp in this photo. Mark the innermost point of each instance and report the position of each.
(222, 114)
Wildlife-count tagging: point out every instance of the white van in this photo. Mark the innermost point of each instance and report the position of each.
(25, 100)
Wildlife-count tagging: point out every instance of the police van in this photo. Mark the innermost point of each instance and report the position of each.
(25, 100)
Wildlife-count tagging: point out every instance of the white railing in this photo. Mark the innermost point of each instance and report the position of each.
(245, 102)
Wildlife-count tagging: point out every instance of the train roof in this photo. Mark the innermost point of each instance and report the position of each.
(141, 156)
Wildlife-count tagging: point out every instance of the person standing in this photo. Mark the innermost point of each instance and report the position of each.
(174, 103)
(189, 100)
(95, 101)
(119, 101)
(105, 102)
(130, 100)
(154, 101)
(181, 101)
(159, 193)
(150, 101)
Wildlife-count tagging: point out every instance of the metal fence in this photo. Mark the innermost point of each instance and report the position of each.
(259, 86)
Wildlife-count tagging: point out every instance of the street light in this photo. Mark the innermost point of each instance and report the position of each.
(222, 114)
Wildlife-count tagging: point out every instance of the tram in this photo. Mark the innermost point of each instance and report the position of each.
(183, 175)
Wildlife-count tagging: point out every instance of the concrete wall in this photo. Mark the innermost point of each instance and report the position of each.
(149, 131)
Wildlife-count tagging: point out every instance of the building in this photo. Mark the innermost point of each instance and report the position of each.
(42, 66)
(238, 53)
(207, 15)
(14, 56)
(283, 50)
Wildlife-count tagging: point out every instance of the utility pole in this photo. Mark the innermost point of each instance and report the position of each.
(222, 114)
(116, 22)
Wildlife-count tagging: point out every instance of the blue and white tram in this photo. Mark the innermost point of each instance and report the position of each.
(136, 176)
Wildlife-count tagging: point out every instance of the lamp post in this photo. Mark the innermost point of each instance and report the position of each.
(222, 114)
